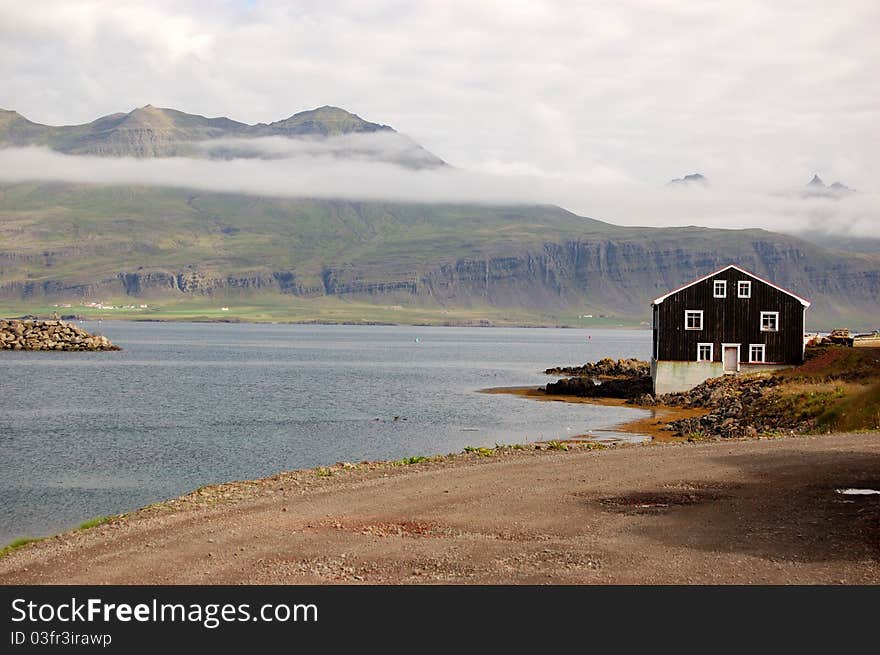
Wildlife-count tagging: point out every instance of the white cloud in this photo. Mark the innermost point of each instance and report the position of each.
(578, 96)
(315, 170)
(371, 146)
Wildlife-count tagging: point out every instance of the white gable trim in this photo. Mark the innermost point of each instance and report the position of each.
(806, 303)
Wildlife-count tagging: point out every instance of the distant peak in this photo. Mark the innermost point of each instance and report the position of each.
(327, 111)
(10, 113)
(691, 178)
(327, 120)
(10, 116)
(816, 189)
(841, 188)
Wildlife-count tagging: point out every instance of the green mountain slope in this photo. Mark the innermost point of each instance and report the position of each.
(68, 242)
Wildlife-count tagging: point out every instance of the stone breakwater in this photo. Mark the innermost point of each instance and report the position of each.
(49, 335)
(620, 368)
(607, 378)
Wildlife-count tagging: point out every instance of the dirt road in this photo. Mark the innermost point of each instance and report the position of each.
(760, 511)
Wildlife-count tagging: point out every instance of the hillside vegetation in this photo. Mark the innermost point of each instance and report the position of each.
(836, 389)
(63, 242)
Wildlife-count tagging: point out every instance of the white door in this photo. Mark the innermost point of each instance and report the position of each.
(731, 357)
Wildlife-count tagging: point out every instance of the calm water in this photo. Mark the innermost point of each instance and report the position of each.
(183, 405)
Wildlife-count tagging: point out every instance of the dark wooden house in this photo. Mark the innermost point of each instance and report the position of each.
(727, 322)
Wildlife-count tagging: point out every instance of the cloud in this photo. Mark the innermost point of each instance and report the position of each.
(385, 146)
(752, 92)
(314, 169)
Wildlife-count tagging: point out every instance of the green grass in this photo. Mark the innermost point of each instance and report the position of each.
(859, 411)
(838, 388)
(481, 451)
(556, 445)
(268, 308)
(24, 541)
(409, 461)
(14, 545)
(95, 522)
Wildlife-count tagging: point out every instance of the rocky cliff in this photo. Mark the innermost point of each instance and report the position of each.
(71, 242)
(597, 275)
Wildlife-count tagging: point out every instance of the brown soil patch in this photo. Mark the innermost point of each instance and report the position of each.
(652, 502)
(387, 528)
(653, 426)
(820, 363)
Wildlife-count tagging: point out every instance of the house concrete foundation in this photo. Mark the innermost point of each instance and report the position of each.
(674, 377)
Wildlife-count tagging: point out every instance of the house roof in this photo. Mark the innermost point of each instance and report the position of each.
(803, 301)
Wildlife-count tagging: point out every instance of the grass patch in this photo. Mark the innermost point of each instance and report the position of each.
(556, 445)
(804, 405)
(14, 545)
(95, 522)
(858, 411)
(481, 451)
(323, 472)
(408, 461)
(836, 389)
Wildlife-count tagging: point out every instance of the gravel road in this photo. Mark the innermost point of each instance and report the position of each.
(751, 511)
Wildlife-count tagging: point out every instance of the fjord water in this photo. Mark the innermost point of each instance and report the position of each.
(184, 405)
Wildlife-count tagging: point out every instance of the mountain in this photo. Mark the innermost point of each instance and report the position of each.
(692, 179)
(324, 121)
(157, 132)
(842, 242)
(69, 243)
(817, 188)
(64, 242)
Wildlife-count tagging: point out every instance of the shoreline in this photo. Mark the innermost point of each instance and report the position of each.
(446, 324)
(651, 427)
(758, 510)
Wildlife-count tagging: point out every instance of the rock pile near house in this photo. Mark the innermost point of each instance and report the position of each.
(740, 407)
(16, 334)
(714, 392)
(607, 367)
(583, 387)
(607, 378)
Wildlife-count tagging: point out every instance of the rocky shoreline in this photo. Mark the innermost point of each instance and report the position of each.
(737, 406)
(607, 378)
(18, 334)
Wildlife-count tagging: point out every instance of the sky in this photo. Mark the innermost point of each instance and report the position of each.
(594, 106)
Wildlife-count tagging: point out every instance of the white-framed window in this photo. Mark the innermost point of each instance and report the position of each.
(719, 288)
(744, 289)
(693, 319)
(705, 352)
(769, 321)
(757, 353)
